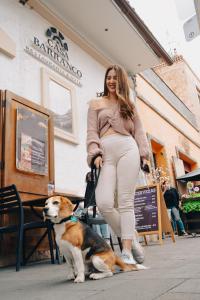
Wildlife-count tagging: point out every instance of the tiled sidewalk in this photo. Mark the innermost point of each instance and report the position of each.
(174, 274)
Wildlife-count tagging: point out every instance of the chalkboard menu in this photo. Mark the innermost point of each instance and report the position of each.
(146, 209)
(32, 142)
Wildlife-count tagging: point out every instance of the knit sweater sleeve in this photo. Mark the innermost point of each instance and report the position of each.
(140, 137)
(93, 140)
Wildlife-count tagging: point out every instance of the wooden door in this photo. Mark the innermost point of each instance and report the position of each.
(28, 146)
(2, 109)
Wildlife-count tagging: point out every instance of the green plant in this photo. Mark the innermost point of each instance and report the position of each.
(195, 195)
(189, 206)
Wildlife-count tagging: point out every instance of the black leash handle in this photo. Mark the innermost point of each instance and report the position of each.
(95, 173)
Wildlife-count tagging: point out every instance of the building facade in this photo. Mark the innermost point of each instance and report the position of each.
(169, 99)
(59, 63)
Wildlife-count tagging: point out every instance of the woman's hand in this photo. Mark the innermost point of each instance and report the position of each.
(144, 165)
(98, 162)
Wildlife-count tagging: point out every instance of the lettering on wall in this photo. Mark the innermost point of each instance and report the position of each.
(54, 53)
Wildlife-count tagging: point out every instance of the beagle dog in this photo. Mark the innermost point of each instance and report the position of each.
(81, 246)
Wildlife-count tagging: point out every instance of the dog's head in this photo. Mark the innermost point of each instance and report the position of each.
(57, 207)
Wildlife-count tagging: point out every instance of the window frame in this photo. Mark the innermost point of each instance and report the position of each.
(46, 77)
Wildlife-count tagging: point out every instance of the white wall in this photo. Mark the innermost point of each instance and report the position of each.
(22, 75)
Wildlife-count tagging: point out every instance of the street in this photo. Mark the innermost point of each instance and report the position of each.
(174, 274)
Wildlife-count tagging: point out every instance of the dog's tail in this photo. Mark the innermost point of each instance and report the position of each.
(124, 267)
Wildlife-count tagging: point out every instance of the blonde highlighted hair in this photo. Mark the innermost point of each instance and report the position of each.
(122, 91)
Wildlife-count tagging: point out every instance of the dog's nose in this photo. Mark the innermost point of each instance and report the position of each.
(45, 210)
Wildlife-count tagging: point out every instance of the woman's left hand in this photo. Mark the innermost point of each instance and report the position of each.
(145, 165)
(98, 162)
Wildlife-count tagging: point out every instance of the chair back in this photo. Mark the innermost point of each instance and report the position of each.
(10, 202)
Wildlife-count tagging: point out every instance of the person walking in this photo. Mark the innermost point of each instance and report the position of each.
(171, 198)
(116, 142)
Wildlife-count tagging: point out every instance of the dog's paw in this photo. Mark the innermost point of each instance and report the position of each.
(70, 276)
(95, 276)
(79, 278)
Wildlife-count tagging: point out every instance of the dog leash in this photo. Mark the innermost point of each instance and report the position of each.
(71, 218)
(94, 178)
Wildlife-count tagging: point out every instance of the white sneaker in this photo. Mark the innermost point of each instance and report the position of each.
(137, 250)
(128, 258)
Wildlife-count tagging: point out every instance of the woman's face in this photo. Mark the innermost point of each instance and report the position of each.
(111, 81)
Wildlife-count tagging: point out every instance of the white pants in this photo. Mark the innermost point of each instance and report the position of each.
(118, 178)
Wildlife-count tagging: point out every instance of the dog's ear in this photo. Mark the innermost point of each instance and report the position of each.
(70, 206)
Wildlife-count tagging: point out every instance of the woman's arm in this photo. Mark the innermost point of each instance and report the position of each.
(93, 140)
(140, 137)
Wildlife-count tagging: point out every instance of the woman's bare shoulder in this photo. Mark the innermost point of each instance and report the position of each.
(97, 103)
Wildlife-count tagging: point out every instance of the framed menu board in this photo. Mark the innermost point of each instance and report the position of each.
(147, 209)
(31, 141)
(151, 212)
(27, 146)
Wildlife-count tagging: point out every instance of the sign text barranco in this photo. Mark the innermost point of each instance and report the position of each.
(54, 53)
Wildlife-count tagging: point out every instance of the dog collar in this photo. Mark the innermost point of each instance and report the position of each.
(70, 218)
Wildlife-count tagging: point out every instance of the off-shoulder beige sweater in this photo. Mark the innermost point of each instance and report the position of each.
(101, 117)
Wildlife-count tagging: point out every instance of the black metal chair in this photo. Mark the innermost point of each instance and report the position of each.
(10, 202)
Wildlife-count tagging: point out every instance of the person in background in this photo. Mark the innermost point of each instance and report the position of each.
(172, 198)
(116, 142)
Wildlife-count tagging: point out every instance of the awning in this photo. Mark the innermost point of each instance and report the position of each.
(191, 176)
(111, 27)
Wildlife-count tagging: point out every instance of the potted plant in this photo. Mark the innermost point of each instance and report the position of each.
(191, 208)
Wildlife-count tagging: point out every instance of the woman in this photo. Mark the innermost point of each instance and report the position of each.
(116, 142)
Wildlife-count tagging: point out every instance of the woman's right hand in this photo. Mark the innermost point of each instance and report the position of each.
(98, 162)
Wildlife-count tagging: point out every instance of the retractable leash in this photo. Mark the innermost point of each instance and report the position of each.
(95, 173)
(94, 178)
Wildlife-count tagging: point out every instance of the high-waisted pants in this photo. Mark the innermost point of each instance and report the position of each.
(116, 186)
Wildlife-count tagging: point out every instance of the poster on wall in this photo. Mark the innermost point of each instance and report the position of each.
(31, 142)
(59, 97)
(60, 103)
(146, 209)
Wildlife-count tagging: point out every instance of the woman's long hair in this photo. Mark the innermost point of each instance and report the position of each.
(122, 91)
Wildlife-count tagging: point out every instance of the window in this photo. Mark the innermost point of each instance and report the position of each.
(188, 162)
(59, 97)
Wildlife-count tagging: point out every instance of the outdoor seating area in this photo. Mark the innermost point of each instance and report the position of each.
(11, 203)
(14, 220)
